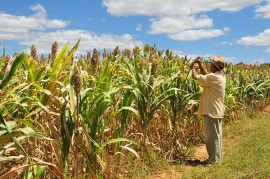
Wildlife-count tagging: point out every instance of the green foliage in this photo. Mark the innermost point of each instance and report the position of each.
(67, 127)
(14, 66)
(2, 62)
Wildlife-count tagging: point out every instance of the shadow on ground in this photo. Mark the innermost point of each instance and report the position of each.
(194, 163)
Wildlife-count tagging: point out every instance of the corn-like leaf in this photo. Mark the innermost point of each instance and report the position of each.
(58, 61)
(69, 56)
(2, 158)
(132, 151)
(51, 166)
(129, 109)
(17, 142)
(31, 69)
(39, 170)
(9, 126)
(14, 66)
(2, 120)
(27, 131)
(119, 140)
(72, 101)
(2, 60)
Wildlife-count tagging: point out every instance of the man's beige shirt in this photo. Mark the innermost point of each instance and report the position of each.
(212, 99)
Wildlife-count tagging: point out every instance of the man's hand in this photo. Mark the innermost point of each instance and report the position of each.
(198, 60)
(195, 66)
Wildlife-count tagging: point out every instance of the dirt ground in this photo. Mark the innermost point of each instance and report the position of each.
(200, 155)
(175, 172)
(266, 109)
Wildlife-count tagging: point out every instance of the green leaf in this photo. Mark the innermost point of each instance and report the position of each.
(70, 54)
(31, 69)
(2, 60)
(41, 71)
(30, 132)
(2, 120)
(9, 125)
(2, 131)
(13, 68)
(130, 109)
(58, 61)
(72, 101)
(3, 158)
(119, 140)
(16, 141)
(132, 151)
(18, 132)
(39, 170)
(7, 137)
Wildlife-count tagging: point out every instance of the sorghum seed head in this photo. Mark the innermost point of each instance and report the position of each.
(88, 56)
(77, 80)
(136, 51)
(146, 48)
(54, 49)
(167, 52)
(127, 53)
(160, 53)
(154, 68)
(104, 54)
(33, 52)
(116, 51)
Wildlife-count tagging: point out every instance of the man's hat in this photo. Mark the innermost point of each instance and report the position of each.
(219, 62)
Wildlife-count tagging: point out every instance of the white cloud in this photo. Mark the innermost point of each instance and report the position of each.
(226, 43)
(139, 27)
(172, 7)
(233, 60)
(268, 50)
(178, 52)
(206, 57)
(19, 27)
(38, 30)
(191, 35)
(89, 41)
(175, 25)
(263, 11)
(262, 39)
(175, 18)
(41, 12)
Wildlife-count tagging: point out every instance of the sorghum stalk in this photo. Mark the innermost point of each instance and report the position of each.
(77, 89)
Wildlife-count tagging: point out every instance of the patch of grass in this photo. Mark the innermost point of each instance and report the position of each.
(132, 168)
(246, 156)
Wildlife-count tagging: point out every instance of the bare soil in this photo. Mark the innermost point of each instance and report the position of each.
(176, 171)
(266, 109)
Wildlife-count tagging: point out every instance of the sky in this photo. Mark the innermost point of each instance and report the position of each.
(238, 30)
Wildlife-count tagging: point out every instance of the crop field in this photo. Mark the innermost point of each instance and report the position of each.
(84, 116)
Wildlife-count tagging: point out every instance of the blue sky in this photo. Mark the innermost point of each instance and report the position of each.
(238, 30)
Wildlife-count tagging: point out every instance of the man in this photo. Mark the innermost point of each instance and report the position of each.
(212, 104)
